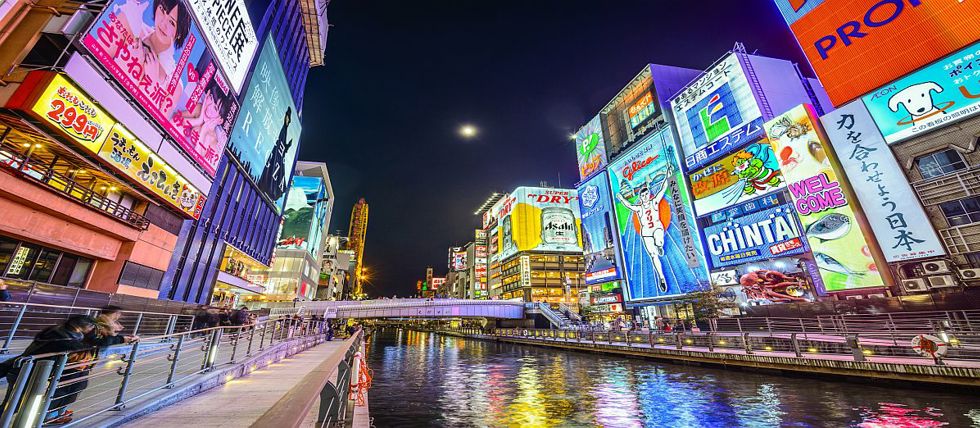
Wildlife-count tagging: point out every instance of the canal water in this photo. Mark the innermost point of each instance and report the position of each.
(430, 380)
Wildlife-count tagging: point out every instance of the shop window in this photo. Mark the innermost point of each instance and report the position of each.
(44, 266)
(963, 211)
(137, 275)
(7, 248)
(939, 163)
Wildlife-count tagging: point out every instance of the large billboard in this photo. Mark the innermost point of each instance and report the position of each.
(892, 208)
(266, 135)
(158, 56)
(661, 255)
(942, 93)
(304, 214)
(229, 31)
(590, 148)
(824, 206)
(748, 173)
(57, 102)
(602, 258)
(763, 229)
(539, 219)
(457, 259)
(715, 112)
(855, 46)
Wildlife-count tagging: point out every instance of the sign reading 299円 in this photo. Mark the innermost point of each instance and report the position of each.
(156, 52)
(842, 254)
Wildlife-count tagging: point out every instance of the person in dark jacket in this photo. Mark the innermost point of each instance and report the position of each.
(200, 318)
(240, 317)
(66, 337)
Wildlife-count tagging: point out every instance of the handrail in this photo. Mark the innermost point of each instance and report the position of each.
(293, 408)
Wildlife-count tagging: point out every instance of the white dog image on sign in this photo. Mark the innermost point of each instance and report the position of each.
(917, 100)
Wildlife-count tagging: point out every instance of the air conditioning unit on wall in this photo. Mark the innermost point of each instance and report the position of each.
(942, 281)
(970, 274)
(916, 285)
(936, 266)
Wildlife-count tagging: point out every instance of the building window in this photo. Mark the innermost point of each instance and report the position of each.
(963, 211)
(973, 259)
(137, 275)
(939, 163)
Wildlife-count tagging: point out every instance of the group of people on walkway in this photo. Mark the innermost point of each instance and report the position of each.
(83, 337)
(210, 316)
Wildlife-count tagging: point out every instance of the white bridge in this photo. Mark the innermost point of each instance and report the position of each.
(403, 308)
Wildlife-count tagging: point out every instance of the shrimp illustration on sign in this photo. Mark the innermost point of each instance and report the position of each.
(651, 208)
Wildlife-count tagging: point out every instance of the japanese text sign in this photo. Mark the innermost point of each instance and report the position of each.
(72, 112)
(229, 30)
(743, 175)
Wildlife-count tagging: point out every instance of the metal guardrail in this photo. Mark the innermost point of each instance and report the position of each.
(46, 383)
(858, 346)
(19, 322)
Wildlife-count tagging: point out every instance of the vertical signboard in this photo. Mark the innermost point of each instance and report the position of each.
(480, 261)
(266, 135)
(937, 95)
(855, 46)
(843, 255)
(661, 255)
(590, 148)
(155, 51)
(746, 174)
(716, 112)
(892, 208)
(229, 31)
(602, 259)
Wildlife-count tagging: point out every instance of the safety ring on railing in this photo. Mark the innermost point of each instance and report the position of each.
(926, 344)
(362, 380)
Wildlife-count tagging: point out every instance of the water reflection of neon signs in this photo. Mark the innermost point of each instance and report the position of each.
(640, 110)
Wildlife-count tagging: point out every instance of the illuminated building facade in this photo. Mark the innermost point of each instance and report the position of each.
(356, 235)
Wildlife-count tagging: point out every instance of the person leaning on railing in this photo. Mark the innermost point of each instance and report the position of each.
(51, 342)
(107, 328)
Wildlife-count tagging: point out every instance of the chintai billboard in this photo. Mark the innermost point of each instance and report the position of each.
(599, 234)
(661, 255)
(759, 230)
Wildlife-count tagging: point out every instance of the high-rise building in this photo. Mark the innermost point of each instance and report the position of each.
(356, 235)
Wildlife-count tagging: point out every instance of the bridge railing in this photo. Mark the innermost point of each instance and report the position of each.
(879, 346)
(46, 386)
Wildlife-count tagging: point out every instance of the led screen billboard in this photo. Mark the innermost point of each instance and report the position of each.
(661, 256)
(457, 259)
(823, 204)
(602, 258)
(169, 71)
(229, 31)
(539, 219)
(304, 214)
(748, 173)
(266, 135)
(855, 46)
(763, 229)
(939, 94)
(590, 148)
(892, 207)
(716, 112)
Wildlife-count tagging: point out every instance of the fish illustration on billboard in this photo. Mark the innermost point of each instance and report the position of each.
(829, 227)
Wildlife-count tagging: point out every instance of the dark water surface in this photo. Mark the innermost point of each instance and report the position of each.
(423, 380)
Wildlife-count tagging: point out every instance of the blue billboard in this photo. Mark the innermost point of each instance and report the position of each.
(660, 249)
(266, 136)
(599, 234)
(763, 229)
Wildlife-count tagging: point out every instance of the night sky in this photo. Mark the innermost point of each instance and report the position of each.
(401, 77)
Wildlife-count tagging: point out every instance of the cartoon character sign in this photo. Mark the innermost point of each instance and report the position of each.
(746, 174)
(660, 252)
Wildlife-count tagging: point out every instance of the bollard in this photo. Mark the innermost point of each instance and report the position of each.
(746, 344)
(173, 361)
(30, 412)
(796, 345)
(855, 345)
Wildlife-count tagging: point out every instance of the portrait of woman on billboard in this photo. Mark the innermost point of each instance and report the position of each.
(203, 115)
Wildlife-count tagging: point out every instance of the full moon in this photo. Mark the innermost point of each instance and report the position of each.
(467, 131)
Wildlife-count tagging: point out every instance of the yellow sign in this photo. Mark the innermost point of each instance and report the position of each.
(130, 156)
(74, 113)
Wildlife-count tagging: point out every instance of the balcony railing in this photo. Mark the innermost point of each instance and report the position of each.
(949, 187)
(45, 175)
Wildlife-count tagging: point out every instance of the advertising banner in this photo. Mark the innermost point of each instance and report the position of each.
(266, 135)
(304, 214)
(229, 31)
(602, 258)
(54, 100)
(892, 208)
(656, 226)
(758, 235)
(842, 254)
(736, 178)
(590, 148)
(539, 219)
(944, 92)
(855, 46)
(716, 112)
(156, 53)
(457, 259)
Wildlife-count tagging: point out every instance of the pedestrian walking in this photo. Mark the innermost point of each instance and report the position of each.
(4, 294)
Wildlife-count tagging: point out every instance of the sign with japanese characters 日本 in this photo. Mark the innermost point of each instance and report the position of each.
(892, 208)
